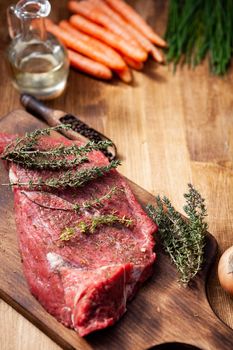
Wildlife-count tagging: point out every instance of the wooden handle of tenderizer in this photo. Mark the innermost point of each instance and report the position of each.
(79, 130)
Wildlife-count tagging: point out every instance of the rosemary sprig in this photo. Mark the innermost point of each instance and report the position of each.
(93, 224)
(69, 178)
(183, 240)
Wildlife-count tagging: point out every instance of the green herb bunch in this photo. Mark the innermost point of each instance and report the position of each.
(200, 27)
(183, 240)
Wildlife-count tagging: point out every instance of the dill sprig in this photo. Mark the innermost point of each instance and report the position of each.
(69, 178)
(22, 151)
(183, 240)
(90, 226)
(195, 28)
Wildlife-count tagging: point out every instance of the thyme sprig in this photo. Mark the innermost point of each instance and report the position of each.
(69, 178)
(93, 224)
(89, 204)
(28, 141)
(183, 240)
(43, 160)
(67, 233)
(22, 151)
(108, 220)
(98, 201)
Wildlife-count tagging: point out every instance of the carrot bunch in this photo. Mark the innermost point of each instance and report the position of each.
(107, 36)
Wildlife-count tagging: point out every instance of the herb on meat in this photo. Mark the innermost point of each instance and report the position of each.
(97, 202)
(97, 221)
(22, 151)
(44, 160)
(183, 240)
(30, 140)
(90, 204)
(69, 178)
(67, 233)
(93, 224)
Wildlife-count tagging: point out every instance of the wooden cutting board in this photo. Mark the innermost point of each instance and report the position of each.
(162, 311)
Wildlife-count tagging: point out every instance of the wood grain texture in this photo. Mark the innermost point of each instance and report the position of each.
(169, 129)
(162, 312)
(19, 325)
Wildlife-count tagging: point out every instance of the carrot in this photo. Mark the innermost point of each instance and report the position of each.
(136, 20)
(137, 35)
(89, 10)
(108, 11)
(107, 37)
(133, 64)
(98, 45)
(125, 75)
(81, 46)
(86, 65)
(146, 44)
(157, 55)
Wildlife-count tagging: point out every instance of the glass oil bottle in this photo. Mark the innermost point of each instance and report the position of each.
(38, 61)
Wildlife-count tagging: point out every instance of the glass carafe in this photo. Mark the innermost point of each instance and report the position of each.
(38, 61)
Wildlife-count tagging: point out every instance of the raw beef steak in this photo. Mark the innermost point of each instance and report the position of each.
(84, 282)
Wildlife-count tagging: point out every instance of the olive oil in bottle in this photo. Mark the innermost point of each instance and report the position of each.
(38, 62)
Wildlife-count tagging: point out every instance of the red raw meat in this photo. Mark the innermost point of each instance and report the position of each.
(86, 281)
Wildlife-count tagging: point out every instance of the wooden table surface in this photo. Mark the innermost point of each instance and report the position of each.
(169, 129)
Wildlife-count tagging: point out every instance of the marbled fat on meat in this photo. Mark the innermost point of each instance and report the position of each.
(84, 282)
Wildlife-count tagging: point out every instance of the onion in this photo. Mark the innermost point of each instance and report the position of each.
(225, 270)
